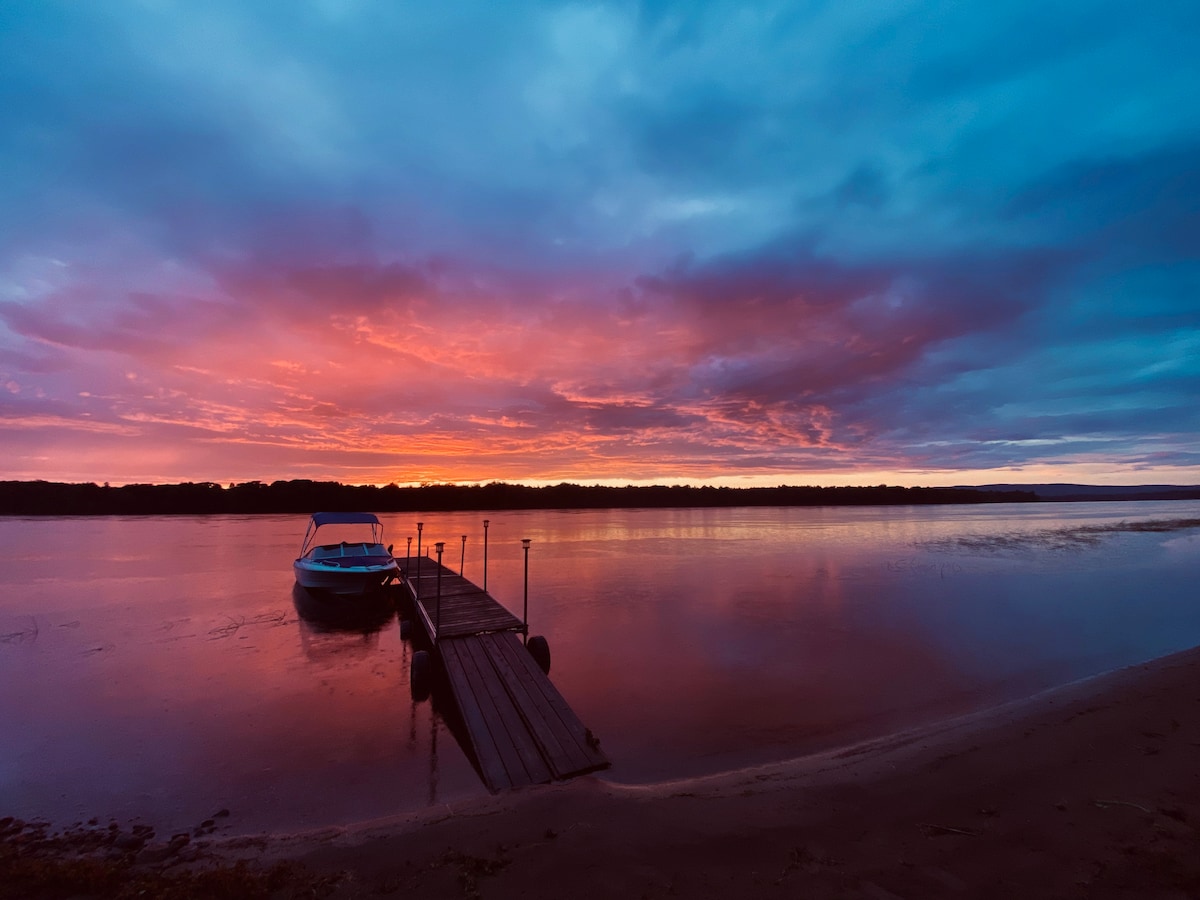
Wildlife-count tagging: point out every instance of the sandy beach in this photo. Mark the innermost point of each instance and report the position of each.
(1091, 790)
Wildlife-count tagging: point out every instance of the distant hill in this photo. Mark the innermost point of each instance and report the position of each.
(1098, 492)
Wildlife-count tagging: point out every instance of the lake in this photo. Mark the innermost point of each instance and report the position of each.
(160, 669)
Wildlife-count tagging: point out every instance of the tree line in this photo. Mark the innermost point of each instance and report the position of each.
(31, 498)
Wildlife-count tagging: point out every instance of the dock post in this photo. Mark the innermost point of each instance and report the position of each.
(525, 617)
(420, 525)
(462, 560)
(408, 555)
(438, 627)
(485, 528)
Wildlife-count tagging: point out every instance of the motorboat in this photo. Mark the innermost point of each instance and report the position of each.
(349, 566)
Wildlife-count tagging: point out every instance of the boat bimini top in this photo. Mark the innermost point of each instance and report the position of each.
(340, 518)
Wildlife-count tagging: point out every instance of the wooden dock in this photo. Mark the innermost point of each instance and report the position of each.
(520, 728)
(463, 610)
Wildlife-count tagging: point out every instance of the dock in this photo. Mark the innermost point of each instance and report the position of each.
(463, 610)
(520, 728)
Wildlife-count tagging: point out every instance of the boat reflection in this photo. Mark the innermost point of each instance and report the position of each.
(327, 612)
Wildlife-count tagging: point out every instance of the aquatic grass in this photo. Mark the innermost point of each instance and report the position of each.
(233, 626)
(1077, 537)
(19, 637)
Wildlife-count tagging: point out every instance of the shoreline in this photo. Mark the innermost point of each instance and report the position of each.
(1092, 788)
(1089, 789)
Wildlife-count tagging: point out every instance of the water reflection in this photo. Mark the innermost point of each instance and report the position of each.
(696, 640)
(335, 627)
(323, 611)
(689, 641)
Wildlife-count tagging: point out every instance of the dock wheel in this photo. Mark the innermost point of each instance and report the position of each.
(539, 649)
(405, 629)
(420, 675)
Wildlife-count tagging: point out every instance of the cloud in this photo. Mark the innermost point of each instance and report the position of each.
(138, 324)
(651, 240)
(1119, 209)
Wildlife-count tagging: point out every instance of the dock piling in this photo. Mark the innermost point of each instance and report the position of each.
(525, 617)
(485, 528)
(441, 545)
(420, 525)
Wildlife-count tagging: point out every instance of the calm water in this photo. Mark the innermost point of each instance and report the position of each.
(160, 668)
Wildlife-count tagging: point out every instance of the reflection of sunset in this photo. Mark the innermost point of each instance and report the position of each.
(190, 675)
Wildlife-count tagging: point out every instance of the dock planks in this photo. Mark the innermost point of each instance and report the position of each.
(465, 608)
(521, 729)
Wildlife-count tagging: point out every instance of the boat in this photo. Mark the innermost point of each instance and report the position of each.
(347, 567)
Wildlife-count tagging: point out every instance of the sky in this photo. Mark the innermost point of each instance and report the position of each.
(897, 242)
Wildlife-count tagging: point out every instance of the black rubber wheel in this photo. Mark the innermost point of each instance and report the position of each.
(539, 649)
(420, 675)
(405, 629)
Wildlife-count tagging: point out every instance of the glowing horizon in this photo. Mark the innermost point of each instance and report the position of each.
(599, 244)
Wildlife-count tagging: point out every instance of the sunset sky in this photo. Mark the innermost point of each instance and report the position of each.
(729, 243)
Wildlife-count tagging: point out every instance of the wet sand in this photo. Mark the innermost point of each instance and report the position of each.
(1092, 790)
